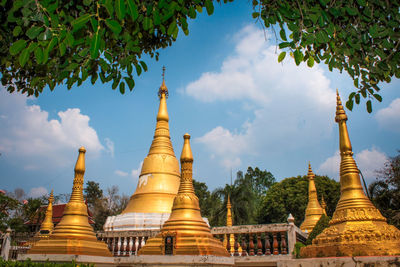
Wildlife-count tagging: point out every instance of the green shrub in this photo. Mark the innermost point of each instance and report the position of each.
(318, 228)
(297, 248)
(29, 263)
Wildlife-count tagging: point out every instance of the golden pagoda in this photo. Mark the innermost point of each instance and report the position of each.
(313, 210)
(229, 222)
(73, 234)
(185, 232)
(47, 225)
(357, 227)
(159, 178)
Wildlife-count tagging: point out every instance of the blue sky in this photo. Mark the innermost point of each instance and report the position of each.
(227, 90)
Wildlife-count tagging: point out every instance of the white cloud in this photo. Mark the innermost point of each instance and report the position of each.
(368, 161)
(27, 133)
(136, 172)
(292, 105)
(38, 192)
(389, 118)
(331, 166)
(110, 146)
(121, 173)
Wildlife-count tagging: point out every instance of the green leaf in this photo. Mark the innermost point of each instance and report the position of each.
(255, 15)
(283, 34)
(133, 10)
(310, 62)
(156, 18)
(23, 57)
(281, 56)
(70, 39)
(38, 54)
(377, 97)
(349, 104)
(130, 82)
(114, 26)
(209, 6)
(122, 87)
(284, 45)
(138, 69)
(72, 67)
(33, 32)
(322, 37)
(17, 47)
(17, 30)
(361, 2)
(120, 9)
(357, 99)
(147, 23)
(80, 22)
(94, 46)
(298, 56)
(62, 48)
(171, 28)
(369, 106)
(144, 66)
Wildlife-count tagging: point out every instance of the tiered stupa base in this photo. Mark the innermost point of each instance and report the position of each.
(74, 246)
(185, 245)
(355, 238)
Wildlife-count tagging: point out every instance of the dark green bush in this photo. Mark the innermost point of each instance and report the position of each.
(29, 263)
(319, 227)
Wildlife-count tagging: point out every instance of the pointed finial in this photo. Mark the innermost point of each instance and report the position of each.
(228, 204)
(80, 163)
(51, 197)
(340, 113)
(163, 88)
(310, 173)
(186, 150)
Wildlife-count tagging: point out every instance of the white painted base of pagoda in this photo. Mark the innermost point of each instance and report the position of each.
(137, 221)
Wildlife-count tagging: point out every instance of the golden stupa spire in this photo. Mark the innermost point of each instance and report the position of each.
(229, 212)
(47, 225)
(73, 234)
(159, 178)
(185, 232)
(313, 210)
(323, 204)
(357, 227)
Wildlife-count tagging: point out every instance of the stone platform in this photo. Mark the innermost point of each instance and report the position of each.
(175, 261)
(361, 261)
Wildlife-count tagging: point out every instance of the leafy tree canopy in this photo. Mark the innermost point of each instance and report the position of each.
(291, 196)
(385, 191)
(246, 194)
(50, 42)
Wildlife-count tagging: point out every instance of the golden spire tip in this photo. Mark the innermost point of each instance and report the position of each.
(340, 113)
(163, 88)
(186, 150)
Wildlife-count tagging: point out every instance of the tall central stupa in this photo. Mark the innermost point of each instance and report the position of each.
(150, 206)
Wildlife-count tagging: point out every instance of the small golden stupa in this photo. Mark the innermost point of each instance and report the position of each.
(229, 222)
(159, 178)
(314, 210)
(73, 234)
(47, 226)
(323, 204)
(185, 232)
(357, 227)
